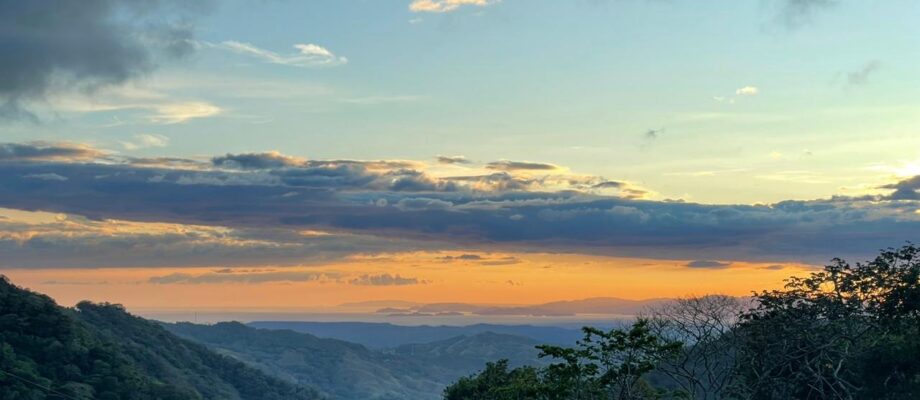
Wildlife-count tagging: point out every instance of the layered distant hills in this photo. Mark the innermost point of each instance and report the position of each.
(385, 336)
(345, 370)
(610, 306)
(100, 351)
(599, 305)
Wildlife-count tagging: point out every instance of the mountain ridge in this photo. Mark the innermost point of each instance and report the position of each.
(99, 351)
(383, 335)
(351, 371)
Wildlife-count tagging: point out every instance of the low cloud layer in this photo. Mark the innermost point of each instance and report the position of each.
(257, 276)
(381, 200)
(45, 240)
(385, 280)
(242, 277)
(453, 160)
(44, 151)
(710, 264)
(520, 166)
(907, 189)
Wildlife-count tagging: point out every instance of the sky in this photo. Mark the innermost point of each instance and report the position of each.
(277, 154)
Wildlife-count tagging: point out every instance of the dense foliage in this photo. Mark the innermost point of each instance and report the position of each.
(98, 351)
(845, 332)
(605, 364)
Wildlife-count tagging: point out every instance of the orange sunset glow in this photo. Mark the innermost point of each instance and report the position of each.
(483, 278)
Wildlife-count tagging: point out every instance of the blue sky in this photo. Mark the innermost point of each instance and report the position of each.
(300, 133)
(572, 83)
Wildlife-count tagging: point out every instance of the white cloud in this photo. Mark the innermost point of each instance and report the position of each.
(314, 50)
(162, 107)
(747, 91)
(307, 55)
(439, 6)
(174, 113)
(740, 93)
(146, 140)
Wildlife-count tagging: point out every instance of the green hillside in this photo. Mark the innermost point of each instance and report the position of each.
(99, 351)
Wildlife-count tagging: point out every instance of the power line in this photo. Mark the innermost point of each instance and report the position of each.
(38, 385)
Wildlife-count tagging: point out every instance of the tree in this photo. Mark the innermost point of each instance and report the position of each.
(611, 363)
(496, 382)
(604, 365)
(703, 368)
(846, 332)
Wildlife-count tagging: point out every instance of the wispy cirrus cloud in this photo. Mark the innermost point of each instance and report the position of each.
(176, 113)
(307, 54)
(156, 107)
(440, 6)
(48, 176)
(287, 275)
(377, 100)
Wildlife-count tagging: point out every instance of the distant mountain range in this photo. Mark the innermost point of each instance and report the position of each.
(376, 304)
(595, 306)
(350, 371)
(387, 336)
(600, 305)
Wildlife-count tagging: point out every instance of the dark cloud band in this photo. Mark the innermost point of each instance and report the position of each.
(51, 45)
(396, 202)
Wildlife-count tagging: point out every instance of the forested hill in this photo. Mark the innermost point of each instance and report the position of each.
(339, 369)
(99, 351)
